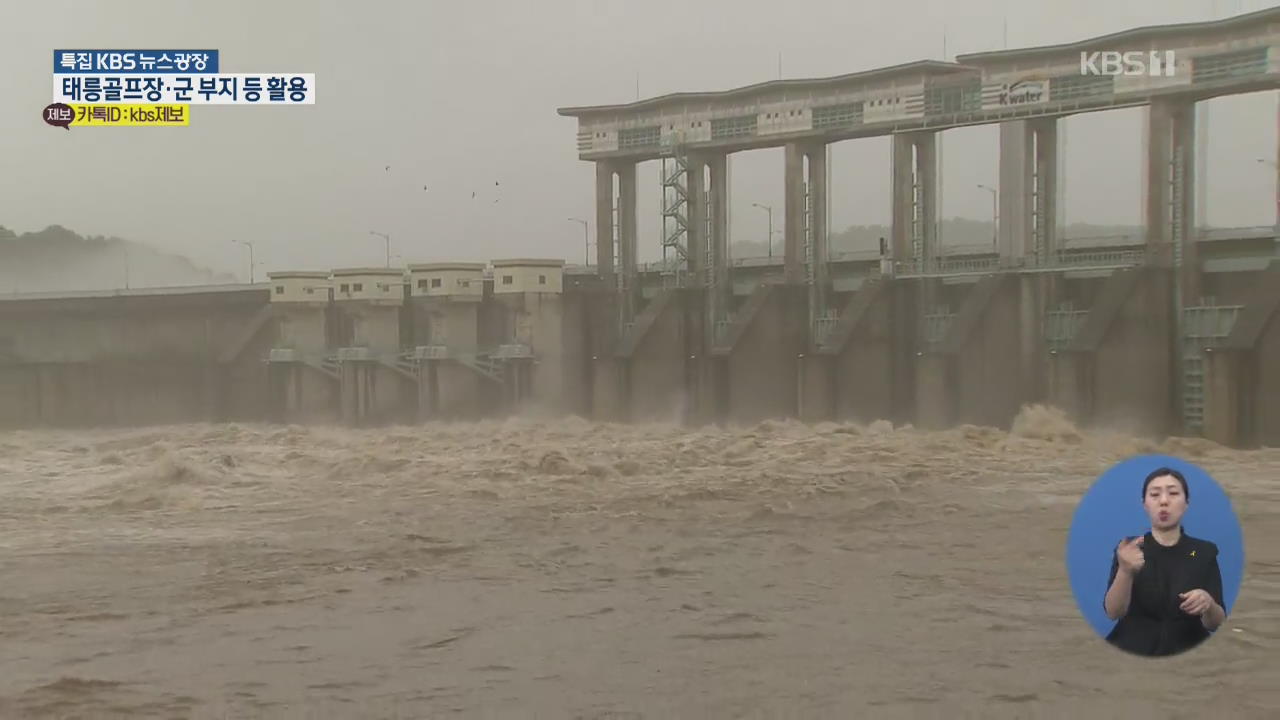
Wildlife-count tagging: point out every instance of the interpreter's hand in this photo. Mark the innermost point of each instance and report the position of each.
(1129, 555)
(1195, 602)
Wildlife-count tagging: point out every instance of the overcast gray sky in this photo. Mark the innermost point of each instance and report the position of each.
(307, 184)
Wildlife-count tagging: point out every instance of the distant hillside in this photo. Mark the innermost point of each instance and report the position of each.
(955, 231)
(58, 260)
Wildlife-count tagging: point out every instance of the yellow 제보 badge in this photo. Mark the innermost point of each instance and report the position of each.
(130, 115)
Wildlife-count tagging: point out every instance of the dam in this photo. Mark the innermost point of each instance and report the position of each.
(1166, 332)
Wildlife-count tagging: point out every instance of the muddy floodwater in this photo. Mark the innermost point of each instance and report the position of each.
(570, 569)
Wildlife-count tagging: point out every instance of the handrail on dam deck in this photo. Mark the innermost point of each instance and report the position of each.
(487, 363)
(1061, 260)
(1090, 251)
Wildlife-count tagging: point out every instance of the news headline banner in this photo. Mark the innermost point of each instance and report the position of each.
(133, 62)
(219, 89)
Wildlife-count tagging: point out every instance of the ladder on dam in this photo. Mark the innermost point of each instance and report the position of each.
(1203, 327)
(675, 206)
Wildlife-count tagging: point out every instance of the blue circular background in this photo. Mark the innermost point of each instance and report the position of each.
(1112, 510)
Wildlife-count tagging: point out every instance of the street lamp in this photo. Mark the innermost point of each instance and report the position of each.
(586, 240)
(249, 245)
(386, 237)
(769, 210)
(995, 217)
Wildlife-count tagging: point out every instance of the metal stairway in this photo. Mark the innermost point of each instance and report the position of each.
(675, 206)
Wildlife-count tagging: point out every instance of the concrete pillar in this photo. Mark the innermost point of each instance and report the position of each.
(1170, 190)
(817, 180)
(546, 380)
(927, 195)
(350, 402)
(923, 219)
(290, 378)
(428, 391)
(903, 207)
(696, 232)
(707, 373)
(915, 193)
(722, 292)
(604, 222)
(1046, 203)
(627, 237)
(793, 215)
(1016, 183)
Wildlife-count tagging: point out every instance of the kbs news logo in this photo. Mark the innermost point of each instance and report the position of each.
(1136, 62)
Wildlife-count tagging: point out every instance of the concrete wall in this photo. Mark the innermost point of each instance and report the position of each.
(371, 394)
(1133, 368)
(373, 326)
(300, 328)
(122, 330)
(159, 358)
(935, 390)
(449, 391)
(815, 384)
(864, 372)
(763, 365)
(138, 358)
(439, 321)
(1266, 379)
(537, 319)
(575, 337)
(1071, 384)
(103, 393)
(302, 394)
(656, 370)
(604, 371)
(988, 365)
(1235, 288)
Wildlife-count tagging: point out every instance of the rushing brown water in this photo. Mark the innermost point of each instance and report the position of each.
(580, 570)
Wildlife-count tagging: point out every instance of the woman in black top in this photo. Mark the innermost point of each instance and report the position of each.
(1165, 586)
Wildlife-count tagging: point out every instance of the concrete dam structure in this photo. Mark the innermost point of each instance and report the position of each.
(1172, 331)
